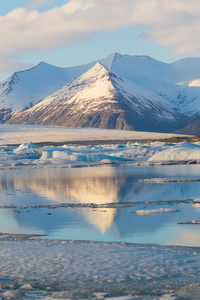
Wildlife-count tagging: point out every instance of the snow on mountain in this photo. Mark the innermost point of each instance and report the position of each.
(26, 88)
(99, 98)
(161, 91)
(177, 83)
(92, 91)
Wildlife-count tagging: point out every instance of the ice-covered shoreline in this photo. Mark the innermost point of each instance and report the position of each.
(79, 269)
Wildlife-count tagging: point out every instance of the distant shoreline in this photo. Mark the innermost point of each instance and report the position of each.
(190, 139)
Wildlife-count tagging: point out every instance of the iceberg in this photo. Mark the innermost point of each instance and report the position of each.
(184, 151)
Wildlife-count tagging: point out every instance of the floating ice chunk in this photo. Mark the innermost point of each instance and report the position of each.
(169, 180)
(25, 147)
(196, 200)
(106, 161)
(24, 151)
(156, 211)
(193, 222)
(86, 157)
(52, 153)
(26, 286)
(184, 151)
(28, 149)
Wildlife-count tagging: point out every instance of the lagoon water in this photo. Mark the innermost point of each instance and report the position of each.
(31, 202)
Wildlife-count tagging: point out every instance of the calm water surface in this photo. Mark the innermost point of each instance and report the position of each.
(101, 185)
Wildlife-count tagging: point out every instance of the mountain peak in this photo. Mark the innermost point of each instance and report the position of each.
(118, 55)
(108, 61)
(97, 71)
(100, 66)
(43, 63)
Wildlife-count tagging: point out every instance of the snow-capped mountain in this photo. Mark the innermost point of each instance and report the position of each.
(121, 91)
(99, 98)
(26, 88)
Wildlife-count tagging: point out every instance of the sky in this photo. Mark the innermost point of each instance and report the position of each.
(68, 33)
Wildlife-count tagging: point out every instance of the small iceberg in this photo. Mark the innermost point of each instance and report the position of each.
(156, 211)
(25, 148)
(184, 151)
(193, 222)
(169, 180)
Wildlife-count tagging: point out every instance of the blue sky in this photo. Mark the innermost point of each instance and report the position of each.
(73, 32)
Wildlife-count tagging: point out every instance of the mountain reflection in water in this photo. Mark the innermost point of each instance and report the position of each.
(98, 185)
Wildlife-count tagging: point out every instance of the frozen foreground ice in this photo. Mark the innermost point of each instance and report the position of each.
(55, 269)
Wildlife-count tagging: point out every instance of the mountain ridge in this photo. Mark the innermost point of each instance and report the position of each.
(88, 87)
(98, 98)
(151, 94)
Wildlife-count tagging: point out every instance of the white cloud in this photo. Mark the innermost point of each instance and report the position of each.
(174, 23)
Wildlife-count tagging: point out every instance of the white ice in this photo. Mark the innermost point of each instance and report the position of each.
(84, 268)
(184, 151)
(169, 180)
(156, 211)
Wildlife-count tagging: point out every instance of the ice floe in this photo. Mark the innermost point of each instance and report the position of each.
(156, 211)
(169, 180)
(193, 222)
